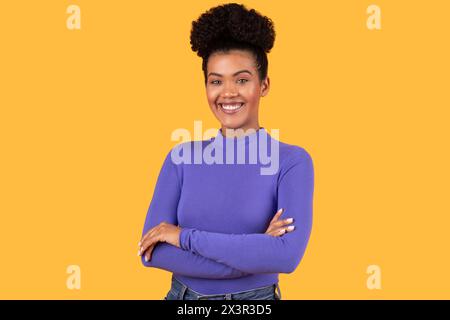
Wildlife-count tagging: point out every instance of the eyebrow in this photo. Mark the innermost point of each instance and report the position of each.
(234, 74)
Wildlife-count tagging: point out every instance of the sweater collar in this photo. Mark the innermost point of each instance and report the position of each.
(255, 134)
(252, 134)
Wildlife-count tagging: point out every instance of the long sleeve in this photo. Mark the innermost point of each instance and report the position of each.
(261, 253)
(163, 207)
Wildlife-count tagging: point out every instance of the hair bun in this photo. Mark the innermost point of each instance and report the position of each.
(231, 23)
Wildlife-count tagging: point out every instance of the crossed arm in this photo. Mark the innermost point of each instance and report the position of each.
(216, 255)
(163, 207)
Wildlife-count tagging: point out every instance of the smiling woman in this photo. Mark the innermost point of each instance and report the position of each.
(215, 226)
(233, 42)
(233, 89)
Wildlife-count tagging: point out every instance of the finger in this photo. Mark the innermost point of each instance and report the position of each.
(273, 223)
(276, 225)
(281, 231)
(151, 232)
(145, 253)
(271, 227)
(290, 228)
(277, 232)
(148, 242)
(281, 223)
(148, 234)
(145, 236)
(277, 215)
(148, 253)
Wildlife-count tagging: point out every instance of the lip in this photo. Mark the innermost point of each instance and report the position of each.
(231, 111)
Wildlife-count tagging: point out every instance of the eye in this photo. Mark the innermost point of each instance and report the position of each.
(218, 81)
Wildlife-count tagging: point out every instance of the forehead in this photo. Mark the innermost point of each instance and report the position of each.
(231, 61)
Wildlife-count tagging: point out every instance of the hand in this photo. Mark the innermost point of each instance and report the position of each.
(279, 227)
(164, 232)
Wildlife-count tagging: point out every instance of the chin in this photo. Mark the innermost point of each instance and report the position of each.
(233, 124)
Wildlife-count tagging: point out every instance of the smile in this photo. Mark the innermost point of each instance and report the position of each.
(231, 108)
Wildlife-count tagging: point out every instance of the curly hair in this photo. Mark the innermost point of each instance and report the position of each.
(233, 26)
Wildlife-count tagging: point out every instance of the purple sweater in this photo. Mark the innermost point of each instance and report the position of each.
(224, 210)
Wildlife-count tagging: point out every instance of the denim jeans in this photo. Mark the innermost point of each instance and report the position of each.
(180, 291)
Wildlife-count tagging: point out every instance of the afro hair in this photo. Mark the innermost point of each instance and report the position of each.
(233, 26)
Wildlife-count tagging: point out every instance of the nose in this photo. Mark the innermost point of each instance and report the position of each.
(229, 91)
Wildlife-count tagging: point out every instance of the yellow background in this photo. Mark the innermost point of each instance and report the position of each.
(86, 117)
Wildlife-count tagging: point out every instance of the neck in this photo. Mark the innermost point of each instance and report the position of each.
(238, 132)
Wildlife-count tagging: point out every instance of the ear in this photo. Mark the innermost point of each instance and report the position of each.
(265, 86)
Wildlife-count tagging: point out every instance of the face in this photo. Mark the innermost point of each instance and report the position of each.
(233, 89)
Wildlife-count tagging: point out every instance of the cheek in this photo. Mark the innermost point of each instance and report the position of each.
(251, 92)
(211, 95)
(251, 95)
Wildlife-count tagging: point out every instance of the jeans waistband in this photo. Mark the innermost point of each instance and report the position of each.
(183, 289)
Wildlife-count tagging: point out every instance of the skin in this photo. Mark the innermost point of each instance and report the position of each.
(226, 82)
(233, 77)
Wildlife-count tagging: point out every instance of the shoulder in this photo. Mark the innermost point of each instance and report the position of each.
(291, 154)
(295, 160)
(179, 151)
(185, 152)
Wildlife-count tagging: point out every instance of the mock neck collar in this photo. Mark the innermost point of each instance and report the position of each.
(251, 134)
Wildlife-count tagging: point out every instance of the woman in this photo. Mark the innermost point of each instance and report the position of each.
(213, 224)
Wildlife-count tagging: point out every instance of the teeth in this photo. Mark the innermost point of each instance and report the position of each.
(231, 106)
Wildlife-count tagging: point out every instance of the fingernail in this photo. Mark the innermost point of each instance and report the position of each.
(290, 228)
(139, 244)
(146, 259)
(139, 252)
(290, 220)
(282, 231)
(281, 209)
